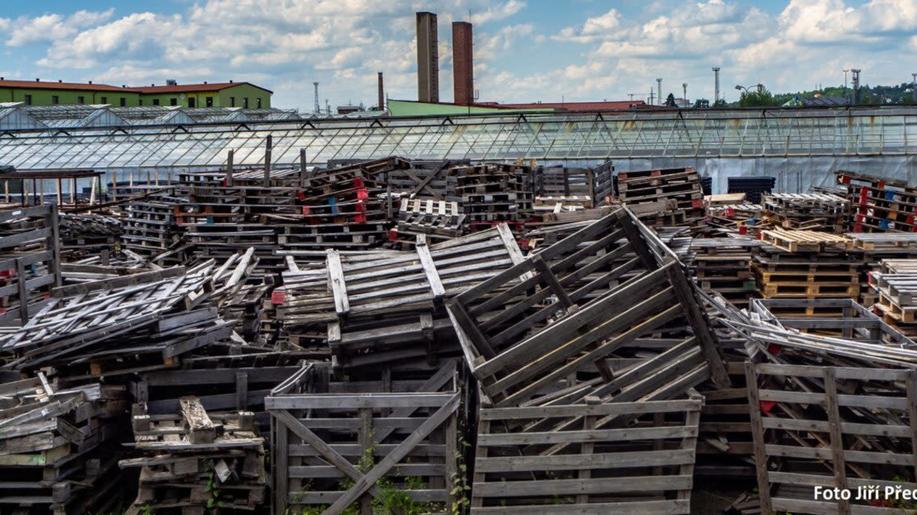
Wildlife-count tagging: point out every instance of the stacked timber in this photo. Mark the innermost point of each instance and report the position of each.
(806, 211)
(387, 444)
(723, 265)
(29, 261)
(585, 188)
(806, 265)
(896, 288)
(878, 205)
(681, 185)
(196, 461)
(59, 446)
(730, 217)
(490, 194)
(150, 227)
(435, 220)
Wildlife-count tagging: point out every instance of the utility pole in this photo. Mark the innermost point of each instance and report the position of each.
(856, 85)
(716, 84)
(659, 89)
(845, 78)
(651, 96)
(914, 86)
(684, 91)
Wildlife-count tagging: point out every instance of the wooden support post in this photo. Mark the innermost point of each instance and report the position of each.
(302, 167)
(366, 453)
(60, 188)
(34, 192)
(53, 245)
(92, 191)
(73, 192)
(23, 192)
(41, 191)
(229, 160)
(22, 292)
(114, 185)
(837, 441)
(241, 391)
(267, 160)
(757, 433)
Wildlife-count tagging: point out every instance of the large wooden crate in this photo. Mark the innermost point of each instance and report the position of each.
(609, 290)
(342, 444)
(29, 261)
(642, 463)
(832, 427)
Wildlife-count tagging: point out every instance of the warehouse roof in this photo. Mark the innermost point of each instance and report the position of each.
(168, 88)
(60, 85)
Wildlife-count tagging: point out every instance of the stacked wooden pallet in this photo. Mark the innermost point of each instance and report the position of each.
(728, 216)
(723, 265)
(843, 318)
(385, 445)
(59, 447)
(805, 211)
(490, 194)
(681, 185)
(878, 205)
(197, 461)
(896, 288)
(29, 261)
(806, 265)
(877, 247)
(150, 227)
(435, 220)
(341, 208)
(583, 187)
(88, 234)
(385, 307)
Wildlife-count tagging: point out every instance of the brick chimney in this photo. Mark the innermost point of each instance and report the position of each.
(462, 63)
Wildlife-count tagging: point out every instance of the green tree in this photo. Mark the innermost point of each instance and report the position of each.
(757, 98)
(670, 100)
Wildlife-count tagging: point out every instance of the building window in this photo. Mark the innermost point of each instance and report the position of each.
(28, 100)
(244, 102)
(80, 100)
(232, 101)
(173, 101)
(209, 101)
(123, 101)
(259, 103)
(190, 102)
(55, 99)
(104, 100)
(155, 101)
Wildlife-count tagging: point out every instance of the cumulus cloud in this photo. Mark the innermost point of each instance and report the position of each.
(498, 12)
(50, 27)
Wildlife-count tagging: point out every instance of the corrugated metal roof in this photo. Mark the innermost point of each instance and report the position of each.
(72, 86)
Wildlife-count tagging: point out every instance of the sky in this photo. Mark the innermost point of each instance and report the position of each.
(525, 50)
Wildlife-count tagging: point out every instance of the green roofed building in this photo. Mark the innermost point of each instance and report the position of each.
(217, 94)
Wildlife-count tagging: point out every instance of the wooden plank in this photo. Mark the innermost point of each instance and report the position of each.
(757, 433)
(338, 285)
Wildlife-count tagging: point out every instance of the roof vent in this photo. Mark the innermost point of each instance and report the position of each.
(230, 81)
(37, 80)
(205, 82)
(171, 82)
(90, 82)
(58, 80)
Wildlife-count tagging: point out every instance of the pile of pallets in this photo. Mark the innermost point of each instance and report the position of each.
(585, 188)
(805, 211)
(896, 290)
(85, 235)
(805, 265)
(60, 447)
(490, 194)
(150, 227)
(877, 204)
(196, 461)
(877, 247)
(723, 265)
(681, 185)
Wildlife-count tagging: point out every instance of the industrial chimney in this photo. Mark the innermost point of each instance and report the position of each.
(462, 63)
(381, 101)
(427, 58)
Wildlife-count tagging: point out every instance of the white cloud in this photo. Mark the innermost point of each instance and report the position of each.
(50, 27)
(592, 29)
(496, 13)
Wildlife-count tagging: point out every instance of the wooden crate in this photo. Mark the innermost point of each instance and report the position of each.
(643, 463)
(567, 308)
(341, 444)
(29, 261)
(831, 427)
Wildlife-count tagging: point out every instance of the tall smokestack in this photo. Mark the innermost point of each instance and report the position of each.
(716, 84)
(462, 63)
(381, 101)
(427, 58)
(316, 108)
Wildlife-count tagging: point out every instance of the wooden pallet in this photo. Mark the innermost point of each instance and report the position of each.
(804, 241)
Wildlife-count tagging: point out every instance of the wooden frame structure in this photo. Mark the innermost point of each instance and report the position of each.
(833, 427)
(336, 444)
(644, 464)
(30, 257)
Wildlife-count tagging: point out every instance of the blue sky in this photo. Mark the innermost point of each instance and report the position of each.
(525, 50)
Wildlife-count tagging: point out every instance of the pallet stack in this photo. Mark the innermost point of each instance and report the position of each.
(877, 247)
(805, 211)
(435, 220)
(150, 227)
(681, 185)
(490, 194)
(85, 235)
(29, 261)
(896, 289)
(723, 265)
(730, 213)
(806, 265)
(586, 188)
(60, 447)
(197, 461)
(878, 205)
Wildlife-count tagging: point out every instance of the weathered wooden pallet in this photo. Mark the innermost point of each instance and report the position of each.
(572, 305)
(831, 427)
(804, 241)
(337, 445)
(642, 463)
